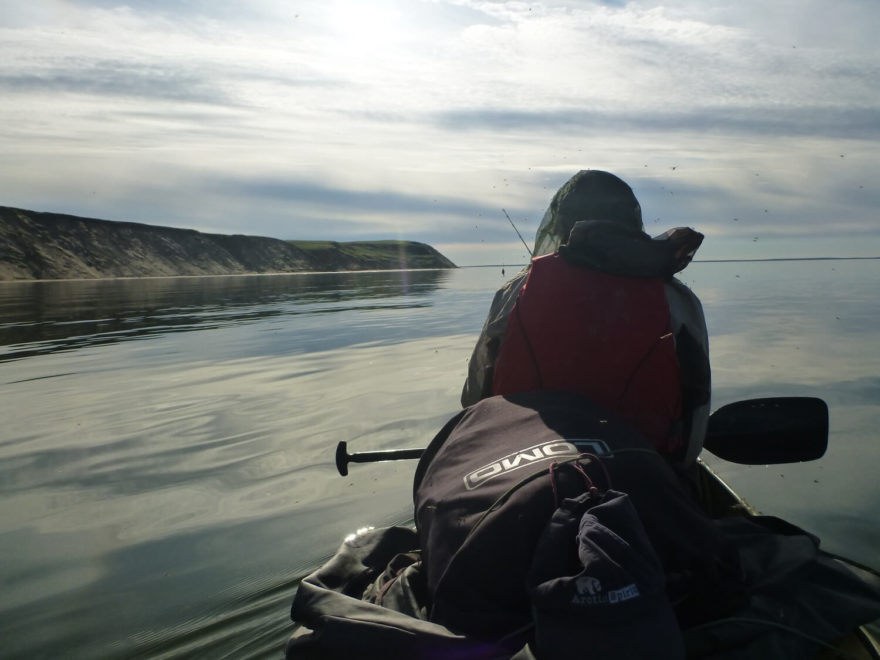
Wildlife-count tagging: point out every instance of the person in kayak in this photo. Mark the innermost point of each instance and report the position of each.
(599, 311)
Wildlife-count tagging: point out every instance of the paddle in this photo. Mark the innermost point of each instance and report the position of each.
(769, 431)
(343, 458)
(751, 432)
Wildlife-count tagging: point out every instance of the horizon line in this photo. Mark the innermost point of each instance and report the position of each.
(711, 261)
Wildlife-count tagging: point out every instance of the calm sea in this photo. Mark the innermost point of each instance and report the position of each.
(166, 447)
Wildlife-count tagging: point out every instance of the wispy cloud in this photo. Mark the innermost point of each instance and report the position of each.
(118, 78)
(820, 121)
(351, 200)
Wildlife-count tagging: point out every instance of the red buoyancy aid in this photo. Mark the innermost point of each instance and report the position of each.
(607, 337)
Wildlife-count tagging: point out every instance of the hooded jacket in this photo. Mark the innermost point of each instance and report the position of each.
(614, 247)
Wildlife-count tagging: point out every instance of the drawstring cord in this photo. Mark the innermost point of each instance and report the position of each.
(554, 466)
(601, 464)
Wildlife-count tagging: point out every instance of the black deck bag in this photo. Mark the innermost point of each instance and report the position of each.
(484, 494)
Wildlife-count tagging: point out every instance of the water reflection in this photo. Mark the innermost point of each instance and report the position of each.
(45, 317)
(179, 487)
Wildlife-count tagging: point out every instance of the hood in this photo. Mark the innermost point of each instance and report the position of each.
(616, 249)
(588, 195)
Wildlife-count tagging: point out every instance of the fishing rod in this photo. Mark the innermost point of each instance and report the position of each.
(518, 234)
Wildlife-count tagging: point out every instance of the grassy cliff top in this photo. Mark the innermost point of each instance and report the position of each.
(385, 253)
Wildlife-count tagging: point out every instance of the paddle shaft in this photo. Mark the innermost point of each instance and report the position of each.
(765, 431)
(343, 458)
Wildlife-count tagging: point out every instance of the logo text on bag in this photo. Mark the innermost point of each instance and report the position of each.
(534, 454)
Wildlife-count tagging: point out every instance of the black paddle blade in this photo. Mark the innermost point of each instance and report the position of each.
(769, 431)
(342, 458)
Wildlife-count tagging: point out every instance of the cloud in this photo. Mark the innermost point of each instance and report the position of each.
(824, 121)
(354, 118)
(361, 200)
(117, 78)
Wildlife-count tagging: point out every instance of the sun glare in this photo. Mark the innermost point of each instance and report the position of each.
(364, 30)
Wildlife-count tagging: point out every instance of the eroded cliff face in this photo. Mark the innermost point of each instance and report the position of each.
(37, 245)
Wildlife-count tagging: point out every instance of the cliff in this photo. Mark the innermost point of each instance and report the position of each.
(55, 246)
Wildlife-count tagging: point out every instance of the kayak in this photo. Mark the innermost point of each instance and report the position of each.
(371, 599)
(724, 501)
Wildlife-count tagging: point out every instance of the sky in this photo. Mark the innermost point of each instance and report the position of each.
(756, 123)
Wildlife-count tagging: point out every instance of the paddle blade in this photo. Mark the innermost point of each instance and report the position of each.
(342, 458)
(769, 431)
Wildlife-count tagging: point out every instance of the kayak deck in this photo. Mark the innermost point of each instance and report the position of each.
(718, 499)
